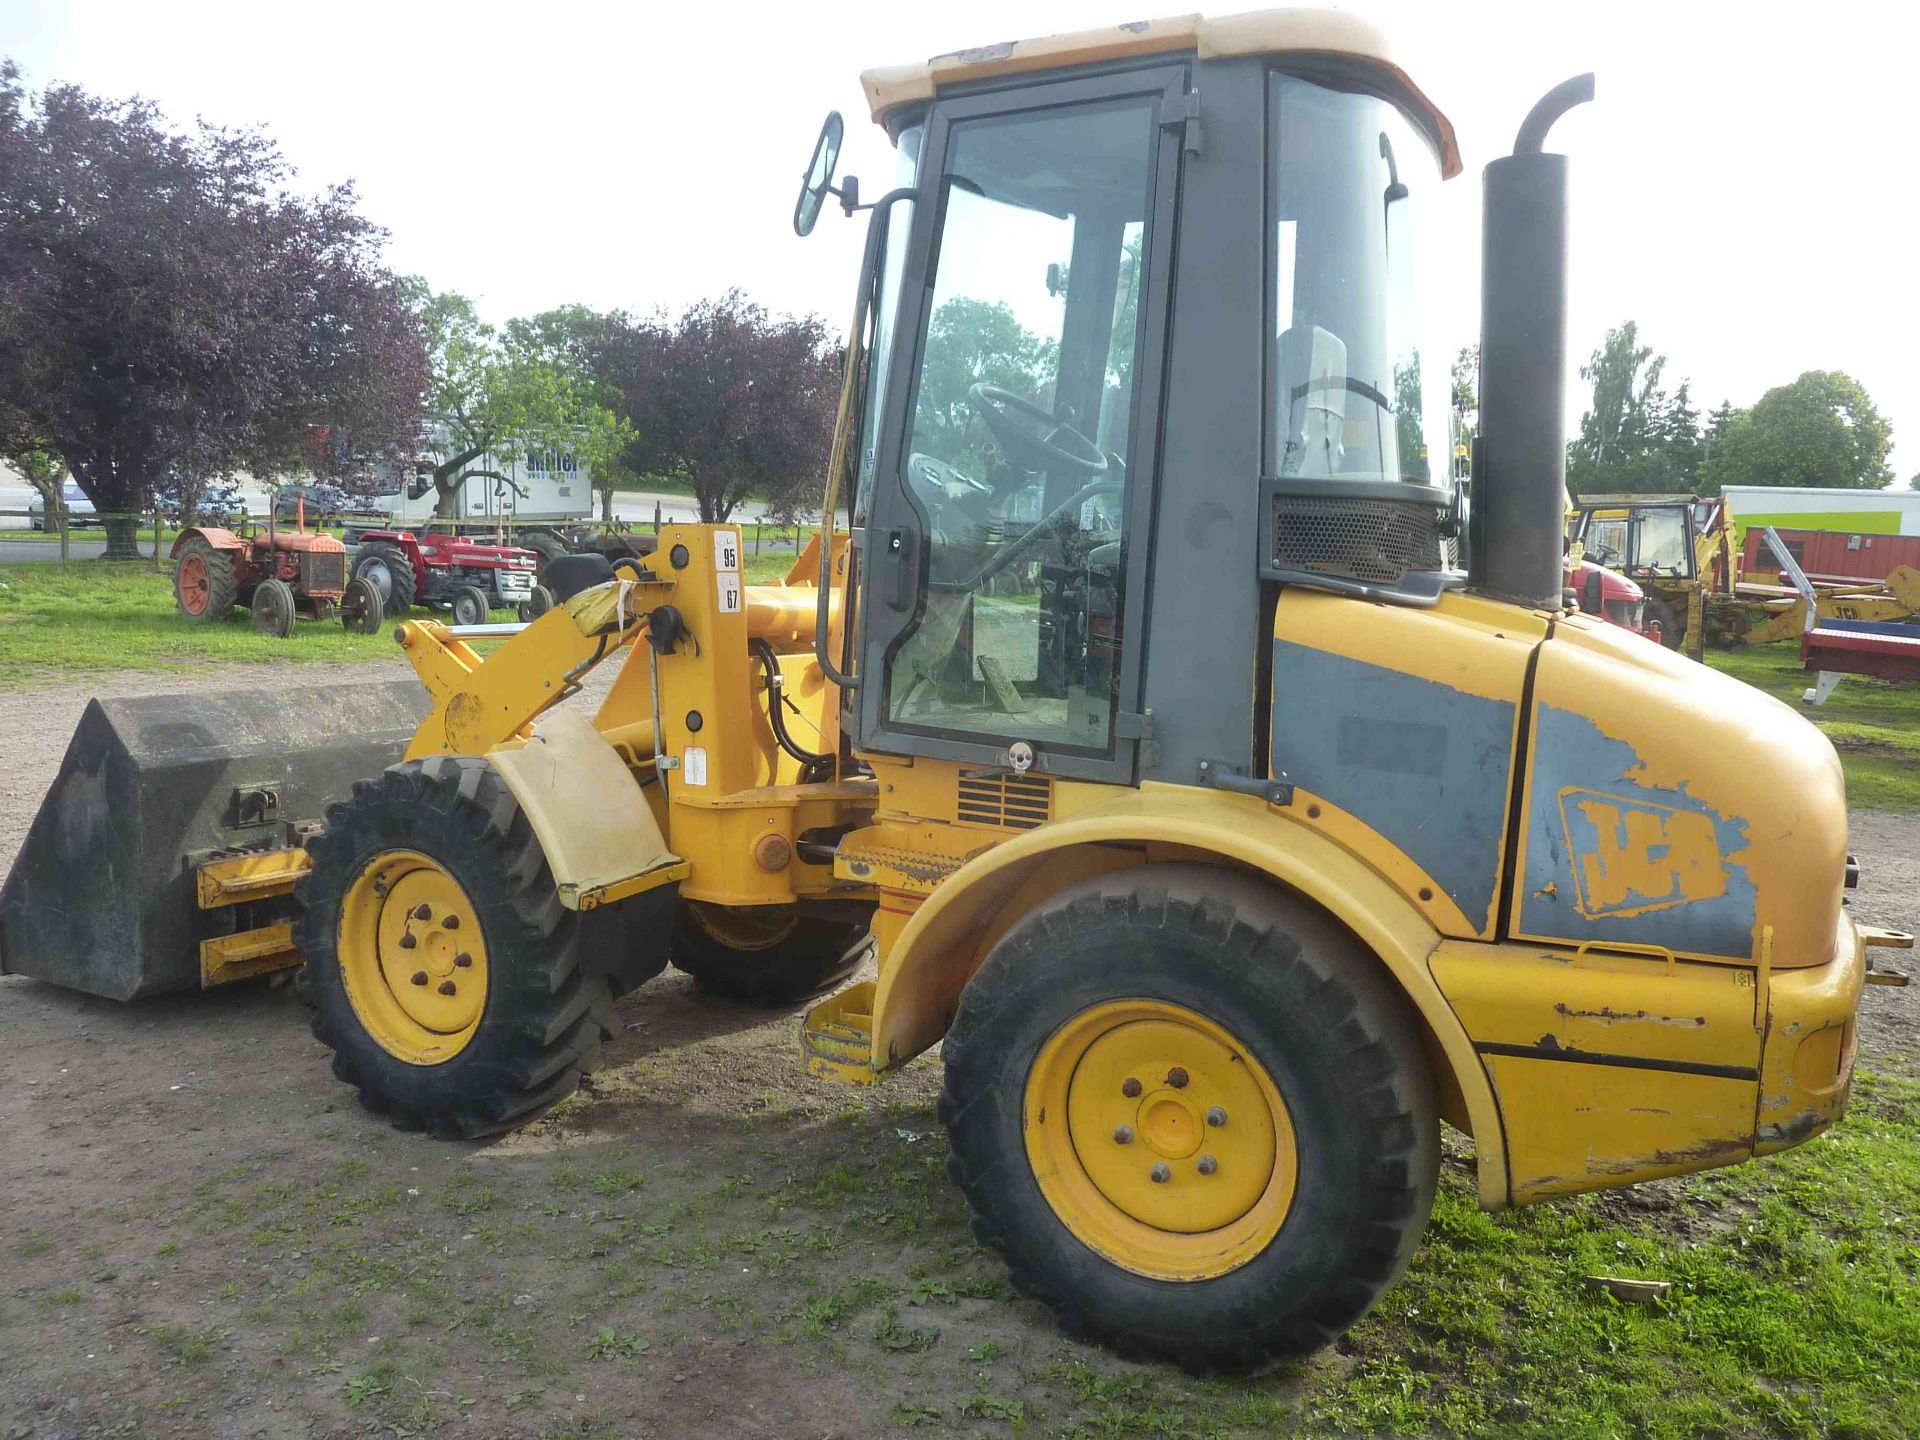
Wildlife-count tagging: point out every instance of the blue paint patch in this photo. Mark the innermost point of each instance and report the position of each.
(1612, 859)
(1424, 764)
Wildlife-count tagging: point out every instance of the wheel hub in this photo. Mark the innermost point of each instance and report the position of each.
(412, 957)
(1158, 1140)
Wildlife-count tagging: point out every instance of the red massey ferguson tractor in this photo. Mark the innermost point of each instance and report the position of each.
(450, 572)
(277, 574)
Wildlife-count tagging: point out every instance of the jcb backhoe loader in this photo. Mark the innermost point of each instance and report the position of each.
(1232, 801)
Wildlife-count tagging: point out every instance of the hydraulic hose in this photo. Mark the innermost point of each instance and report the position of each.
(812, 763)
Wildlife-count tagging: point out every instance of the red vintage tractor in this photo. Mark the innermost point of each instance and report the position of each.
(449, 572)
(277, 574)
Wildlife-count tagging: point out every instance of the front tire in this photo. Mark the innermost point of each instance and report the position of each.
(1192, 1116)
(470, 606)
(459, 1048)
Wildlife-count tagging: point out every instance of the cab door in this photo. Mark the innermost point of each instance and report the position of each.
(1006, 545)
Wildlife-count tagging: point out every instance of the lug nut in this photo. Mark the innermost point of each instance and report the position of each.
(1208, 1164)
(407, 942)
(463, 960)
(423, 911)
(1123, 1134)
(451, 922)
(419, 977)
(1216, 1117)
(446, 987)
(1177, 1078)
(1160, 1174)
(1131, 1089)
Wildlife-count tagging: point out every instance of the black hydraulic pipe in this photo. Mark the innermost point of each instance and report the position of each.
(1519, 485)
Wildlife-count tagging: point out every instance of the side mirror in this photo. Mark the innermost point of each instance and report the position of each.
(818, 183)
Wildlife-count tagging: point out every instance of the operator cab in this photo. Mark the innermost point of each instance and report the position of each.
(1021, 524)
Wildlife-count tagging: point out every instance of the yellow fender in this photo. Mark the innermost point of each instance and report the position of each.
(949, 936)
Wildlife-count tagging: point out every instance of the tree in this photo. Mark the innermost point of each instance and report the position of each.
(1623, 435)
(1820, 430)
(731, 399)
(493, 395)
(42, 470)
(174, 315)
(1466, 396)
(568, 338)
(1913, 481)
(1679, 436)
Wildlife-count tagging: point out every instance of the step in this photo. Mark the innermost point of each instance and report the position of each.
(256, 875)
(837, 1036)
(226, 958)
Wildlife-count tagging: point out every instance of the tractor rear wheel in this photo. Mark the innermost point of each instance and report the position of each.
(454, 989)
(273, 608)
(390, 572)
(1193, 1117)
(471, 606)
(547, 546)
(203, 581)
(764, 955)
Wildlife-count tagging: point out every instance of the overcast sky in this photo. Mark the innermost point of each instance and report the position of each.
(1744, 186)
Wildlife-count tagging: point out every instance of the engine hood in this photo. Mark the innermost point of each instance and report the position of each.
(1668, 805)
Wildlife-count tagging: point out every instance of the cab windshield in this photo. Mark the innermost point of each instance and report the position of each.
(1663, 542)
(1357, 388)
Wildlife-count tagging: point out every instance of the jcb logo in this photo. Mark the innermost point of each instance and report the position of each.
(1631, 856)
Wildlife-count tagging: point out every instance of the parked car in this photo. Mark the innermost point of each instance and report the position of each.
(79, 509)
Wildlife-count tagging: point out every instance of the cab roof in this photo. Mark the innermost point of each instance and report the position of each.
(1298, 33)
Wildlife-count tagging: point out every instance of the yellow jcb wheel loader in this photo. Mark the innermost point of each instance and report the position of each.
(1234, 801)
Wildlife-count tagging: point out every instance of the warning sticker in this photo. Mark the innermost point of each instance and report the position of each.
(693, 765)
(728, 587)
(726, 550)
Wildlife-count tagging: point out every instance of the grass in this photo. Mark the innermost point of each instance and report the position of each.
(1874, 724)
(91, 615)
(1794, 1307)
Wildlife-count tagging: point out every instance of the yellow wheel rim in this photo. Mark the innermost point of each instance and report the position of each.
(412, 957)
(1159, 1141)
(745, 927)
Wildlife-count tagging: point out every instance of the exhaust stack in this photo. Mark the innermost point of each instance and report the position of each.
(1519, 514)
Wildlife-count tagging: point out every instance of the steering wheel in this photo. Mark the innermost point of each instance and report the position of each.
(1033, 436)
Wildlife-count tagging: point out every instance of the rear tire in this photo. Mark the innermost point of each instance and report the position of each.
(390, 572)
(547, 1003)
(764, 956)
(548, 547)
(203, 582)
(1191, 961)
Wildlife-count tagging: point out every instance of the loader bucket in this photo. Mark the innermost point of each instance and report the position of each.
(103, 897)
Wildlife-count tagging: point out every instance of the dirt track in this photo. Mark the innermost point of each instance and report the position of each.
(205, 1235)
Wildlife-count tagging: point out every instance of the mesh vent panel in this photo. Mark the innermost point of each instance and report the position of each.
(1374, 541)
(1012, 802)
